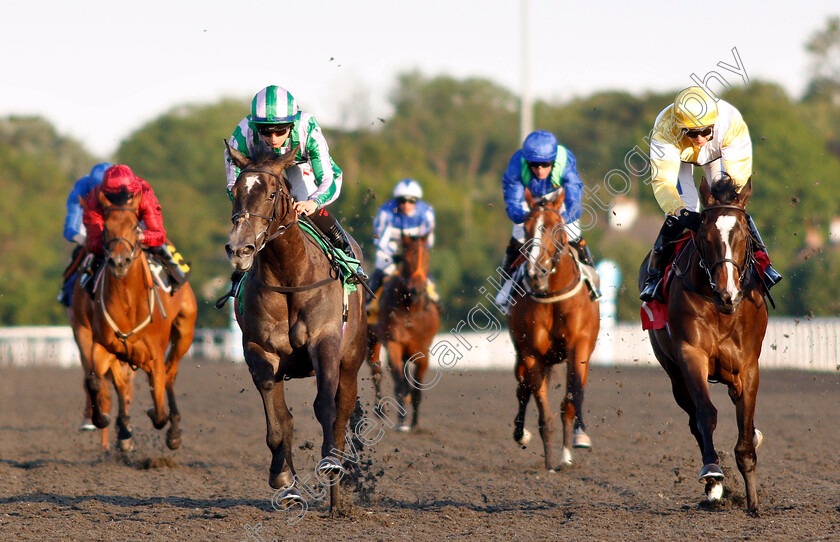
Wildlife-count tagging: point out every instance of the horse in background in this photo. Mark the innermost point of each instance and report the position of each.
(552, 320)
(297, 319)
(717, 318)
(131, 323)
(408, 322)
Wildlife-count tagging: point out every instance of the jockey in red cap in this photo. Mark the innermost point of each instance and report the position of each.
(119, 185)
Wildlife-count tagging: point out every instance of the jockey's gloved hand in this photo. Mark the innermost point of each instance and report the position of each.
(689, 219)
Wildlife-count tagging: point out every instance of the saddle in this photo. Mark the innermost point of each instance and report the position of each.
(341, 262)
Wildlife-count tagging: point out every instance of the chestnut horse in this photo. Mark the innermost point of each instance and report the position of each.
(716, 323)
(555, 321)
(408, 321)
(294, 320)
(132, 323)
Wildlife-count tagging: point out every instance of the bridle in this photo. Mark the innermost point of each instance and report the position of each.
(577, 281)
(133, 247)
(743, 269)
(245, 216)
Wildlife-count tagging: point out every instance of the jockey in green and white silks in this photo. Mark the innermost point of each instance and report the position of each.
(277, 125)
(317, 178)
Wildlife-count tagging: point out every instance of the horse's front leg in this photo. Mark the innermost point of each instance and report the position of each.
(537, 380)
(157, 383)
(695, 370)
(327, 364)
(422, 365)
(278, 421)
(749, 438)
(97, 386)
(523, 394)
(574, 428)
(401, 391)
(123, 378)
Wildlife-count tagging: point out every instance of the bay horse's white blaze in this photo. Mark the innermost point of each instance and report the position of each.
(251, 181)
(724, 225)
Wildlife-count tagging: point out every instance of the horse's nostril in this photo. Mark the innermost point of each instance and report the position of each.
(228, 251)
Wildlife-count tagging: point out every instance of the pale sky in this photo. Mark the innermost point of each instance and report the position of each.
(99, 70)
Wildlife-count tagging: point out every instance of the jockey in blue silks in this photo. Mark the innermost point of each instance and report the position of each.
(543, 166)
(405, 214)
(74, 229)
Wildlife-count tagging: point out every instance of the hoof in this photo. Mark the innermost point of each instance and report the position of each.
(173, 442)
(279, 480)
(403, 428)
(126, 445)
(714, 491)
(758, 438)
(524, 439)
(287, 499)
(566, 457)
(581, 440)
(157, 424)
(102, 421)
(87, 425)
(330, 465)
(710, 473)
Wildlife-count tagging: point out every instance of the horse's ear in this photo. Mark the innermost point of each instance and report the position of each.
(745, 193)
(287, 158)
(557, 198)
(529, 198)
(706, 193)
(238, 158)
(82, 202)
(103, 201)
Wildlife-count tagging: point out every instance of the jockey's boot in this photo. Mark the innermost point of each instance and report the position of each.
(586, 259)
(178, 272)
(670, 230)
(771, 276)
(235, 280)
(511, 253)
(374, 282)
(88, 279)
(339, 239)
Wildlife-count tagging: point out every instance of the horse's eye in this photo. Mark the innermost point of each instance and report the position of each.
(272, 195)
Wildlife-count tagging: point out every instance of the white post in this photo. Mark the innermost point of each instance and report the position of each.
(526, 121)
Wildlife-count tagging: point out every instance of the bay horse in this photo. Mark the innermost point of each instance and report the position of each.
(294, 320)
(552, 320)
(408, 322)
(131, 323)
(717, 317)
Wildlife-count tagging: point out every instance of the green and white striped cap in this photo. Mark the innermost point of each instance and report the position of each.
(273, 105)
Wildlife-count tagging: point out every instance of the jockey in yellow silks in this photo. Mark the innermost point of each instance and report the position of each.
(696, 130)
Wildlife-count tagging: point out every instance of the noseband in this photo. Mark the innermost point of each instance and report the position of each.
(245, 216)
(743, 269)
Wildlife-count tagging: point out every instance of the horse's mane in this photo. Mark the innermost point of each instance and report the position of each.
(725, 190)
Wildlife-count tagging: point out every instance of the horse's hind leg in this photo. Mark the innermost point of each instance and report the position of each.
(745, 455)
(523, 394)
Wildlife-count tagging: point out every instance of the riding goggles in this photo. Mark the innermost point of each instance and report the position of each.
(540, 164)
(278, 130)
(406, 200)
(706, 130)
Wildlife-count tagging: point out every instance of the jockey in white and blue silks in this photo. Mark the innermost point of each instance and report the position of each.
(542, 166)
(405, 214)
(74, 228)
